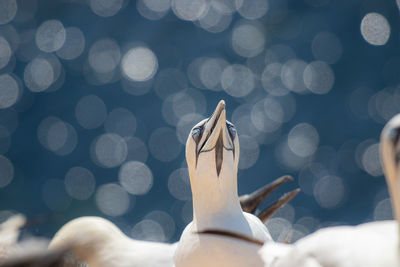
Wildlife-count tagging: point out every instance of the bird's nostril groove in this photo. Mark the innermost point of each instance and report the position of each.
(219, 153)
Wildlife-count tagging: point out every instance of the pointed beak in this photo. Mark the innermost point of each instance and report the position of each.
(215, 130)
(216, 136)
(214, 127)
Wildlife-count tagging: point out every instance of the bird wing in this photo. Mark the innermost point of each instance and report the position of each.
(100, 243)
(367, 245)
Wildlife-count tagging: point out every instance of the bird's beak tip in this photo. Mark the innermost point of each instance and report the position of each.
(219, 113)
(221, 106)
(214, 126)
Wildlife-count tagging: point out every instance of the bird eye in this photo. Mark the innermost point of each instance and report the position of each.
(231, 130)
(196, 134)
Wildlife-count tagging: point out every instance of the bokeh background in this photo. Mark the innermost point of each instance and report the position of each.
(97, 98)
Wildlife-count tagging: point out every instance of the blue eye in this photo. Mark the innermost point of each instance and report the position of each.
(196, 134)
(196, 131)
(231, 130)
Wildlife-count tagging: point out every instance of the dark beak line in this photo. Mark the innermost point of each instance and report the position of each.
(219, 146)
(219, 153)
(211, 131)
(199, 151)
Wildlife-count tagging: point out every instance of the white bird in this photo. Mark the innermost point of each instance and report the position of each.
(30, 252)
(9, 233)
(99, 243)
(212, 155)
(368, 245)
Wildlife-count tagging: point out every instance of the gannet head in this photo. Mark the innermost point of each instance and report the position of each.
(212, 148)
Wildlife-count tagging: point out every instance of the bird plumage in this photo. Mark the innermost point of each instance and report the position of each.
(368, 245)
(212, 155)
(100, 243)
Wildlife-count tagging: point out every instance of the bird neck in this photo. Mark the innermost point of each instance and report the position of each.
(215, 201)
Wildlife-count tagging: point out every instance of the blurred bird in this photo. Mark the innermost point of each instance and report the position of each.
(212, 155)
(9, 233)
(368, 245)
(99, 243)
(31, 252)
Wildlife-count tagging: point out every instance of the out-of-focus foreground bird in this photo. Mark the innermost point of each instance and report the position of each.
(368, 245)
(31, 252)
(9, 232)
(99, 243)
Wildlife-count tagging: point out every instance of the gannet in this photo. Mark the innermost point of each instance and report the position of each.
(212, 155)
(368, 245)
(100, 243)
(29, 252)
